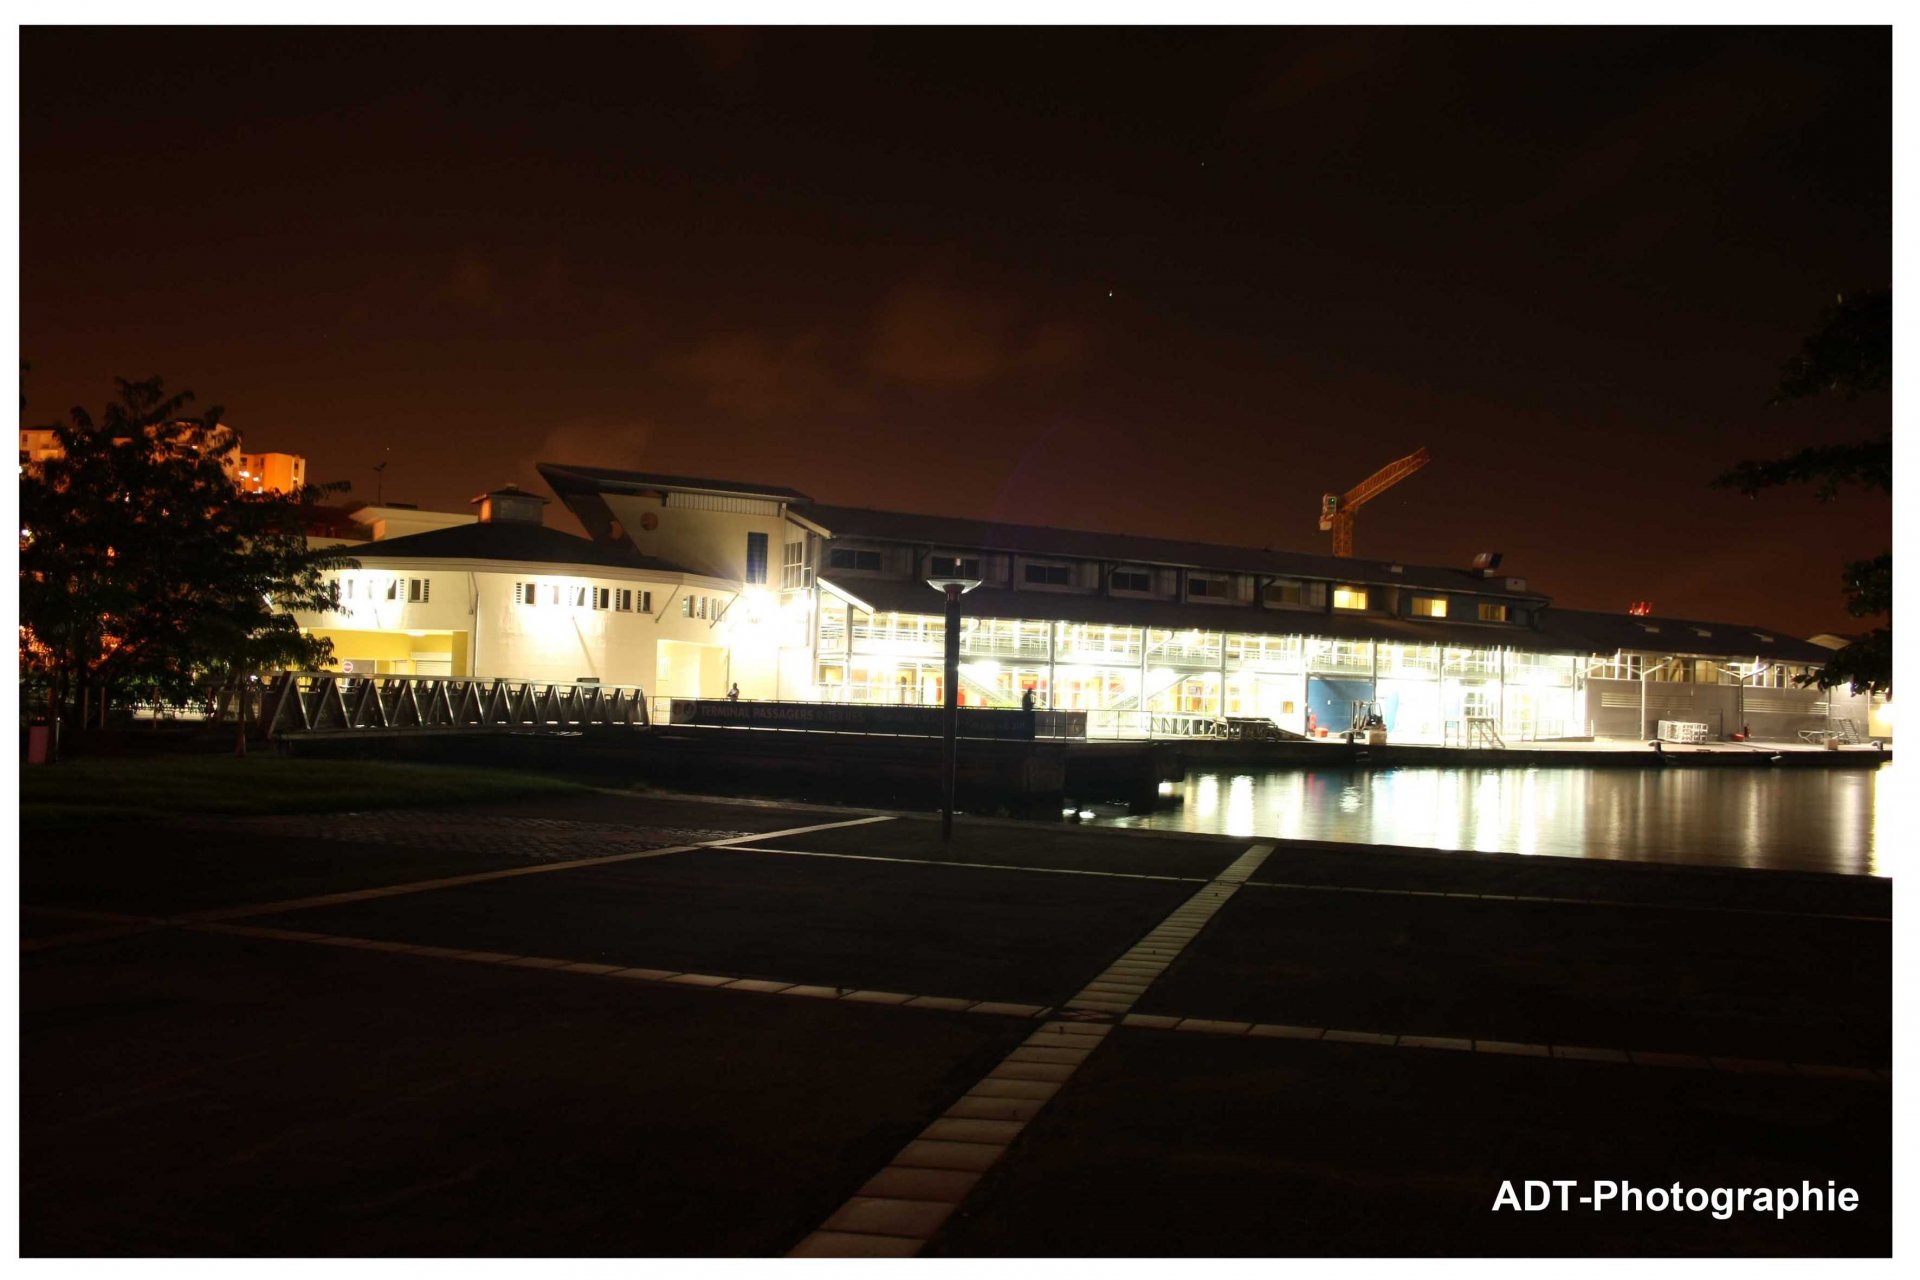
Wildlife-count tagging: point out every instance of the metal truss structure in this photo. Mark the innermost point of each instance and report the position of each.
(303, 703)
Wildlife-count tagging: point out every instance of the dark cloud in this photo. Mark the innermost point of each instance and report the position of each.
(933, 331)
(758, 376)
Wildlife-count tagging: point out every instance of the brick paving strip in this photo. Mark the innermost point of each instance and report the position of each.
(632, 973)
(756, 847)
(971, 866)
(112, 924)
(553, 839)
(1709, 908)
(118, 925)
(1512, 1048)
(900, 1208)
(480, 877)
(1082, 1014)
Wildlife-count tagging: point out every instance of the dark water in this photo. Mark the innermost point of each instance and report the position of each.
(1838, 820)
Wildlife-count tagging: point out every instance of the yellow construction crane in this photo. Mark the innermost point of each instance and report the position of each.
(1337, 509)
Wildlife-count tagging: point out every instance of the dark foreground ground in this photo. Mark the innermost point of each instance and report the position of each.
(579, 1026)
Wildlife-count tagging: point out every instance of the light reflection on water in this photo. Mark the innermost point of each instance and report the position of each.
(1836, 820)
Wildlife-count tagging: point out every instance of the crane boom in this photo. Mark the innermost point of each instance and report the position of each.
(1337, 510)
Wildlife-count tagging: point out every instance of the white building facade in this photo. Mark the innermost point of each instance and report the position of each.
(1151, 635)
(502, 596)
(687, 587)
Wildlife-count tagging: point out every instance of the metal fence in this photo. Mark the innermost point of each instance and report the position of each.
(868, 719)
(319, 702)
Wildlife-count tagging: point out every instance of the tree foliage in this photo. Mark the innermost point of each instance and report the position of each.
(1849, 353)
(1825, 466)
(144, 569)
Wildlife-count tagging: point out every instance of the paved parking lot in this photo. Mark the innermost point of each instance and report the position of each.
(662, 1027)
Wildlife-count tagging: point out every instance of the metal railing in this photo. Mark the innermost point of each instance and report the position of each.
(1153, 724)
(299, 703)
(866, 719)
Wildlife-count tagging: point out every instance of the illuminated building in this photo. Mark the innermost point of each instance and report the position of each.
(250, 472)
(268, 472)
(502, 595)
(1156, 636)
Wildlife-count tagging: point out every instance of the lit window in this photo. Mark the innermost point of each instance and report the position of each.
(686, 606)
(1493, 613)
(1349, 597)
(1284, 593)
(1429, 606)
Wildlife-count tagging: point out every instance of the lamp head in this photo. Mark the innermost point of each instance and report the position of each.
(943, 584)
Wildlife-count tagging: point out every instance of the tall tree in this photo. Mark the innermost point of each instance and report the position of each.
(144, 568)
(1849, 354)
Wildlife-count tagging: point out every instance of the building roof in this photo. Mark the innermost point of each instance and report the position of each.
(566, 478)
(332, 522)
(1595, 632)
(512, 540)
(957, 533)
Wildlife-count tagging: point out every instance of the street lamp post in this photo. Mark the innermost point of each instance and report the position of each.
(953, 588)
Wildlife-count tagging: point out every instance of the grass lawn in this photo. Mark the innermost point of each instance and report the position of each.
(82, 791)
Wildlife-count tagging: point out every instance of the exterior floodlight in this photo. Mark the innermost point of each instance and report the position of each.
(953, 589)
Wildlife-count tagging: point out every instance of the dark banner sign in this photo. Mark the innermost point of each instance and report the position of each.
(853, 717)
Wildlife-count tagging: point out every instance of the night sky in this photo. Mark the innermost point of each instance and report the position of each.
(1166, 283)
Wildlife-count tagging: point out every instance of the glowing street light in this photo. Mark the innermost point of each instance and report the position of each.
(953, 589)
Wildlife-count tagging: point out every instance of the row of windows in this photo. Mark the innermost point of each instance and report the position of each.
(1633, 666)
(555, 595)
(411, 590)
(843, 630)
(1139, 580)
(854, 558)
(692, 606)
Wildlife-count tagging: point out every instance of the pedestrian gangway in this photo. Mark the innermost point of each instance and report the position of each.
(311, 703)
